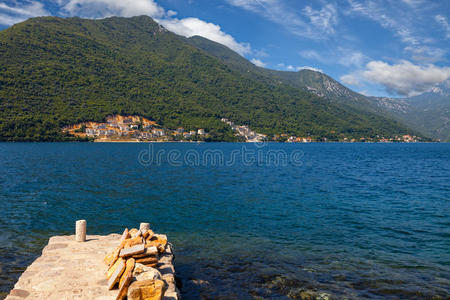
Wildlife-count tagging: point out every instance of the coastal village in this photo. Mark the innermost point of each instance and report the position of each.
(132, 129)
(251, 136)
(119, 128)
(245, 132)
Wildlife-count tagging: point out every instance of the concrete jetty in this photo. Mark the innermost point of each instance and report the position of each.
(68, 269)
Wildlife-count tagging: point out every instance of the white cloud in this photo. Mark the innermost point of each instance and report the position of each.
(192, 26)
(309, 68)
(258, 63)
(405, 78)
(310, 23)
(282, 66)
(105, 8)
(444, 23)
(171, 13)
(14, 14)
(350, 79)
(290, 68)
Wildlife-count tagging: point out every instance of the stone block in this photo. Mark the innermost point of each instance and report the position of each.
(149, 251)
(129, 266)
(116, 275)
(147, 260)
(123, 287)
(125, 235)
(137, 249)
(159, 241)
(171, 295)
(112, 257)
(144, 227)
(148, 234)
(146, 290)
(142, 272)
(113, 268)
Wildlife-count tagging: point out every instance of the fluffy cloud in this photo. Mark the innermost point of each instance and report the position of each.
(105, 8)
(309, 68)
(258, 63)
(13, 14)
(405, 78)
(192, 26)
(282, 66)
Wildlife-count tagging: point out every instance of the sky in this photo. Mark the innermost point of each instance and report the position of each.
(394, 48)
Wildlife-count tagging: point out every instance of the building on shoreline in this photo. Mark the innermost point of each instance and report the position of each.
(119, 128)
(245, 132)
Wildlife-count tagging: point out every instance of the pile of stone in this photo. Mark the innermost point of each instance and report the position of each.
(138, 266)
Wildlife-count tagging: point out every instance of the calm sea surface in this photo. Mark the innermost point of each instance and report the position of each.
(274, 221)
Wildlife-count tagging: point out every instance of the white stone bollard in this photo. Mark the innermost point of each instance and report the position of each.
(80, 231)
(144, 227)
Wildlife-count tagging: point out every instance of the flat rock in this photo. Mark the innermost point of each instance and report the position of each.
(115, 277)
(137, 249)
(142, 272)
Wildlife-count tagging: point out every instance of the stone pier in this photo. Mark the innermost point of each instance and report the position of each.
(68, 269)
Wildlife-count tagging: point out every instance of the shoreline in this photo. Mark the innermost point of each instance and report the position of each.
(253, 142)
(217, 142)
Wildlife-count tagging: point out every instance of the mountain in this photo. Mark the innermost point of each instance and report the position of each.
(427, 113)
(57, 71)
(315, 82)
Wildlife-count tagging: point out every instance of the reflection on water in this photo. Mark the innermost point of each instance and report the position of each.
(349, 221)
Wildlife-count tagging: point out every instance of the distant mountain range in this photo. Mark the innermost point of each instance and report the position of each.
(56, 72)
(428, 113)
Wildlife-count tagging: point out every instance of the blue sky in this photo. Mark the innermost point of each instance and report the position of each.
(376, 47)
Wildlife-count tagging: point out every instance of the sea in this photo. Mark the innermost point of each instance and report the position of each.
(247, 221)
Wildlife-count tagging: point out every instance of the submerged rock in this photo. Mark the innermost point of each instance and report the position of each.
(304, 294)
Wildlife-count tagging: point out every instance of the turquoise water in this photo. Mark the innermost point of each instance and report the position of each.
(247, 221)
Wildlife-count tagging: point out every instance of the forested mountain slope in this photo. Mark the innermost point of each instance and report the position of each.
(56, 72)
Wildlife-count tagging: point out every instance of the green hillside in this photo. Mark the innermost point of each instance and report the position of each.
(427, 113)
(56, 72)
(315, 82)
